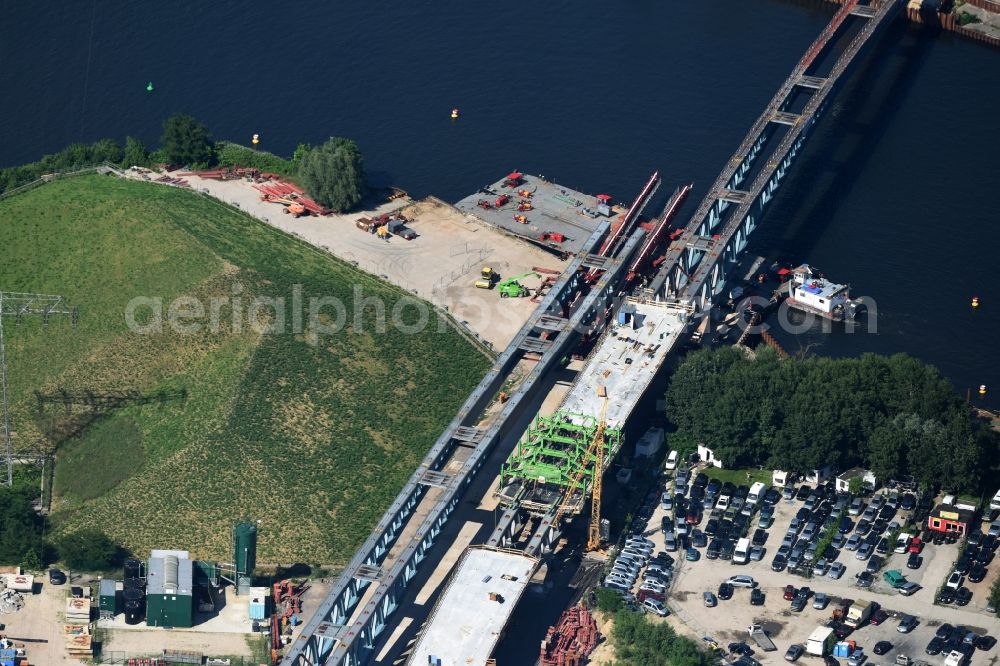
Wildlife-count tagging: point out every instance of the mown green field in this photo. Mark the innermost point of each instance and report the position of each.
(312, 439)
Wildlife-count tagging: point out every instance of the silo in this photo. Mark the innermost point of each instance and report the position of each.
(134, 605)
(245, 548)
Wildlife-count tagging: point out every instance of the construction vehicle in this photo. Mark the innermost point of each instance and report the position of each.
(552, 236)
(489, 274)
(858, 614)
(483, 203)
(511, 288)
(523, 219)
(524, 205)
(484, 284)
(524, 193)
(820, 641)
(761, 638)
(383, 233)
(501, 200)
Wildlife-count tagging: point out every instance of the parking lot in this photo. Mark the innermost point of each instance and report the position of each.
(728, 621)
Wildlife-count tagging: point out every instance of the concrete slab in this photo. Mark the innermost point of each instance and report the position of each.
(555, 209)
(466, 622)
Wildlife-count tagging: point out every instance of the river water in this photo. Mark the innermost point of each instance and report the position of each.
(894, 194)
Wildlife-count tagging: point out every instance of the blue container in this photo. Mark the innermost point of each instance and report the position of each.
(622, 317)
(258, 611)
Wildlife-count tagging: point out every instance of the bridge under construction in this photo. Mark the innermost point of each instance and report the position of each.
(635, 330)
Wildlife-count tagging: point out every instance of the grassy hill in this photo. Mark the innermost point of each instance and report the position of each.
(313, 439)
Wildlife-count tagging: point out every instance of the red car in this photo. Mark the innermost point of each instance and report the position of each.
(648, 594)
(789, 592)
(916, 545)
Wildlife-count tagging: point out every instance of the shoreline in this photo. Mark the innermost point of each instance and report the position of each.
(929, 12)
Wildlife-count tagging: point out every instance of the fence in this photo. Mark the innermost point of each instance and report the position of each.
(130, 659)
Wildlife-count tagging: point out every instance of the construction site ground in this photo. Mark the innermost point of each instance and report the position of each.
(41, 620)
(440, 265)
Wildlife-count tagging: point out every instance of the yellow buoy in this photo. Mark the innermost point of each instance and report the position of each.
(256, 139)
(454, 114)
(982, 389)
(975, 301)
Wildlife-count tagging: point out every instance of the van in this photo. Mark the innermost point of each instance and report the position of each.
(995, 502)
(741, 555)
(756, 493)
(902, 541)
(671, 464)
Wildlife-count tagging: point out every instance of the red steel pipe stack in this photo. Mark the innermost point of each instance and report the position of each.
(571, 640)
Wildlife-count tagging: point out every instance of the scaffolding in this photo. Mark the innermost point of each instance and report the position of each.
(548, 458)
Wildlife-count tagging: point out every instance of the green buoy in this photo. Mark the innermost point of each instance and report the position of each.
(149, 87)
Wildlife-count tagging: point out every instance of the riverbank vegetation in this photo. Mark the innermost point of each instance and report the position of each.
(332, 173)
(895, 415)
(313, 437)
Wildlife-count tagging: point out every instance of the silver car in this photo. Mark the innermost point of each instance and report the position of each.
(837, 570)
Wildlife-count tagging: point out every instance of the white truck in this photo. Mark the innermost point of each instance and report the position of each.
(858, 614)
(954, 658)
(761, 638)
(820, 641)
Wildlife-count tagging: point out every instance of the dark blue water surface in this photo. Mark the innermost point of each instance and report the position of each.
(894, 194)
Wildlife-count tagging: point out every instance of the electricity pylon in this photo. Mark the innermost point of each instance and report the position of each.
(20, 305)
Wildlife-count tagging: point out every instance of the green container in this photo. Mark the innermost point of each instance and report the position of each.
(245, 547)
(109, 599)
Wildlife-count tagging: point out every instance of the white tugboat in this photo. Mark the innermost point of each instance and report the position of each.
(808, 291)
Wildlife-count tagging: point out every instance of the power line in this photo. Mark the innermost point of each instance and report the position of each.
(19, 305)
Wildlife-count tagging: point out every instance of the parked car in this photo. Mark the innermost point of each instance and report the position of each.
(864, 580)
(907, 623)
(56, 577)
(742, 581)
(655, 606)
(779, 563)
(853, 543)
(821, 567)
(756, 597)
(934, 647)
(914, 561)
(864, 552)
(837, 570)
(794, 652)
(955, 580)
(963, 596)
(725, 591)
(857, 658)
(709, 599)
(977, 573)
(790, 592)
(874, 564)
(820, 601)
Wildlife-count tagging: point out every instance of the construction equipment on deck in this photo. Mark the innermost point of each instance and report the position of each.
(595, 452)
(511, 288)
(522, 219)
(524, 205)
(484, 284)
(489, 274)
(483, 203)
(501, 200)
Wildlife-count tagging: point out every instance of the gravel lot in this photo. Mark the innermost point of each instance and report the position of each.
(728, 621)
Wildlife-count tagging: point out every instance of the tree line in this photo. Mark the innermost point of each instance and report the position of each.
(332, 173)
(894, 415)
(24, 538)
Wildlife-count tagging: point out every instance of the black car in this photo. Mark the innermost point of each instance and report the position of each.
(699, 539)
(700, 480)
(882, 647)
(846, 525)
(914, 561)
(934, 647)
(963, 596)
(713, 487)
(803, 514)
(841, 630)
(803, 493)
(975, 538)
(711, 526)
(725, 591)
(964, 563)
(740, 648)
(944, 632)
(882, 547)
(726, 551)
(977, 573)
(985, 642)
(56, 577)
(946, 596)
(983, 556)
(874, 564)
(863, 527)
(864, 579)
(759, 537)
(756, 597)
(772, 496)
(779, 563)
(798, 603)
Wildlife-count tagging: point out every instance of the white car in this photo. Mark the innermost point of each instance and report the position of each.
(742, 581)
(655, 606)
(955, 580)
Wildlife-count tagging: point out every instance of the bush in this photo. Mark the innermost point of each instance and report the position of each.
(135, 153)
(965, 18)
(333, 174)
(608, 600)
(186, 141)
(639, 642)
(233, 154)
(21, 529)
(72, 157)
(87, 550)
